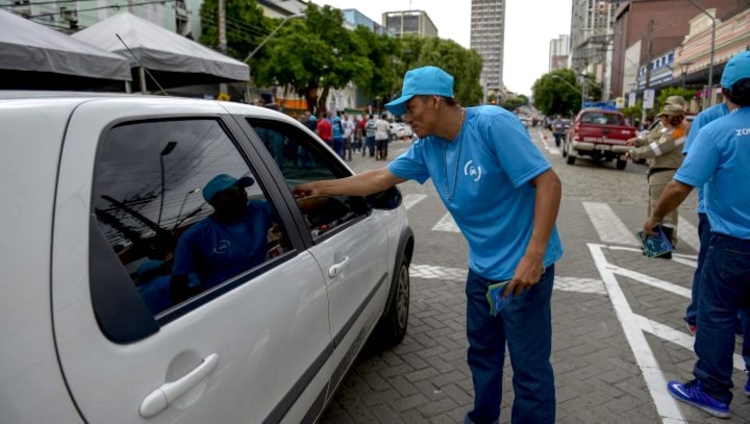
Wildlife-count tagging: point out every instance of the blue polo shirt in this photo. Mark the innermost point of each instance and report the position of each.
(217, 252)
(707, 116)
(720, 160)
(485, 187)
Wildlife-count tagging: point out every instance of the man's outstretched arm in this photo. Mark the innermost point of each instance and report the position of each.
(363, 184)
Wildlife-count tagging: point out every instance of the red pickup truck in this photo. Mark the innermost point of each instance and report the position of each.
(600, 135)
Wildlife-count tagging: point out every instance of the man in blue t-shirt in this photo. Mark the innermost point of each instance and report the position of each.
(505, 198)
(229, 242)
(719, 161)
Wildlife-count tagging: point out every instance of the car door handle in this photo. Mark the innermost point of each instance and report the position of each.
(337, 268)
(161, 398)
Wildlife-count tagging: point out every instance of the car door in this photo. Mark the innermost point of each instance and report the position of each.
(246, 336)
(346, 236)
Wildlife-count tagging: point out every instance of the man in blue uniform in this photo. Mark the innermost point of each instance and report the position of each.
(231, 241)
(719, 161)
(505, 198)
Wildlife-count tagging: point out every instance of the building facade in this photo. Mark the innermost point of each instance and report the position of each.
(488, 39)
(559, 50)
(354, 18)
(592, 34)
(410, 22)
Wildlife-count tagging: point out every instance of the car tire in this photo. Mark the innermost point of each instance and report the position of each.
(621, 164)
(391, 328)
(571, 160)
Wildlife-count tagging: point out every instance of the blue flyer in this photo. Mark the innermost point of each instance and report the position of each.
(655, 246)
(495, 297)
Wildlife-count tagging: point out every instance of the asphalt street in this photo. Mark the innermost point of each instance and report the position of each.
(618, 333)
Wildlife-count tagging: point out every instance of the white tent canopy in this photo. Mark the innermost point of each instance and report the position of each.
(158, 49)
(27, 47)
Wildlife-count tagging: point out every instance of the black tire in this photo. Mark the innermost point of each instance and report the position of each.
(391, 328)
(621, 164)
(571, 160)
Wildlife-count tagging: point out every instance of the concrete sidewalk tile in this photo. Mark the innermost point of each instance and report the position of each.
(410, 402)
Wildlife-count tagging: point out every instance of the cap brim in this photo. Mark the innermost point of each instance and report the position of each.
(245, 182)
(398, 106)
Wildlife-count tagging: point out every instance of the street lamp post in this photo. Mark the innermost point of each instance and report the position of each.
(184, 200)
(713, 48)
(167, 150)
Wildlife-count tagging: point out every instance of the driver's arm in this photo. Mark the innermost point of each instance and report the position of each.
(363, 184)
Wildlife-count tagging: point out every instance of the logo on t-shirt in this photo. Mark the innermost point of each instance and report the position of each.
(222, 247)
(475, 172)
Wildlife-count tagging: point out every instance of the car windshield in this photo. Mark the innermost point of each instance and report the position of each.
(601, 118)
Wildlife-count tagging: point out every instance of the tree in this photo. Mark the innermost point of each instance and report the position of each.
(313, 55)
(685, 93)
(245, 26)
(513, 103)
(382, 53)
(552, 96)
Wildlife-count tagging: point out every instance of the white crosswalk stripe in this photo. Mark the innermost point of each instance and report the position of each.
(412, 199)
(608, 225)
(446, 223)
(688, 234)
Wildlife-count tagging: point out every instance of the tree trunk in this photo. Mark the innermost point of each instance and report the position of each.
(311, 98)
(323, 98)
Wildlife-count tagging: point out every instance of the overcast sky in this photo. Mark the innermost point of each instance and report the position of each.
(529, 26)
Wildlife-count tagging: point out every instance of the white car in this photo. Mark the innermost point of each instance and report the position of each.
(126, 297)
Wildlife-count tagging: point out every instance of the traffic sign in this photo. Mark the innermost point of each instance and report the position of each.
(648, 99)
(620, 103)
(631, 99)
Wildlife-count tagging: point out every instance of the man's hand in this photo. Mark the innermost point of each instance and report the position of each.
(528, 273)
(649, 226)
(306, 190)
(631, 142)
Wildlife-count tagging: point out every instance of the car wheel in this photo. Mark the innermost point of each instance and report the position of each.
(392, 326)
(571, 160)
(621, 164)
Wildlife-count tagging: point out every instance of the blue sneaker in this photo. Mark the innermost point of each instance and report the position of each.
(692, 394)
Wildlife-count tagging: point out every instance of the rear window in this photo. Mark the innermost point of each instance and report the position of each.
(601, 118)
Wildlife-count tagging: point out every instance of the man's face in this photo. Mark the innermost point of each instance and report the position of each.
(230, 203)
(307, 115)
(421, 114)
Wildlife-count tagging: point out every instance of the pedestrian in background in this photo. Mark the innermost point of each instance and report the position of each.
(338, 134)
(719, 158)
(381, 138)
(324, 129)
(504, 196)
(348, 126)
(370, 133)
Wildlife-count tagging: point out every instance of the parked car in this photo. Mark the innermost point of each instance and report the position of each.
(600, 135)
(408, 132)
(396, 131)
(104, 218)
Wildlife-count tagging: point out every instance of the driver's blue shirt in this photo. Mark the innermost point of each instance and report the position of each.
(217, 252)
(492, 201)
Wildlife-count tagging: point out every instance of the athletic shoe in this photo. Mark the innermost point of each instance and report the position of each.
(692, 394)
(691, 328)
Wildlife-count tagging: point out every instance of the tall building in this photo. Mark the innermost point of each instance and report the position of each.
(488, 38)
(559, 49)
(592, 34)
(354, 18)
(410, 22)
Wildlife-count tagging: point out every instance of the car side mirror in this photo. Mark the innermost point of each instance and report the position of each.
(386, 200)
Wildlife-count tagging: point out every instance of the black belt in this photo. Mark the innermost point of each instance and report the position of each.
(652, 171)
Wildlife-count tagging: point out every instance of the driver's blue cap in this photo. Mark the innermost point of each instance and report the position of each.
(222, 182)
(736, 69)
(425, 81)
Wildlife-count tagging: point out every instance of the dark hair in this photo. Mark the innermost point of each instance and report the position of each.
(739, 94)
(675, 120)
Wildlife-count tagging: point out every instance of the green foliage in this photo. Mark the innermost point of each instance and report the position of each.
(241, 38)
(313, 55)
(382, 52)
(513, 103)
(687, 94)
(465, 65)
(552, 96)
(634, 112)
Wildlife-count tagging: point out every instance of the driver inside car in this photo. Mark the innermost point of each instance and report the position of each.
(227, 243)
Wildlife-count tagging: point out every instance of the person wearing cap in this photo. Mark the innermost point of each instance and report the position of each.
(719, 161)
(665, 156)
(227, 243)
(504, 196)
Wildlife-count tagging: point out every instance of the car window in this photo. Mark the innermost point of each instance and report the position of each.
(179, 206)
(301, 159)
(601, 118)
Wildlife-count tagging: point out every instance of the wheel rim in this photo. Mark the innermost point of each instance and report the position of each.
(403, 296)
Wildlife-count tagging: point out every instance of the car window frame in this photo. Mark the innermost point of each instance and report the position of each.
(143, 326)
(340, 170)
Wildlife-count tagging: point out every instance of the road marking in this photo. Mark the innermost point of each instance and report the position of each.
(551, 150)
(651, 281)
(580, 285)
(610, 227)
(412, 199)
(692, 258)
(687, 233)
(666, 406)
(446, 223)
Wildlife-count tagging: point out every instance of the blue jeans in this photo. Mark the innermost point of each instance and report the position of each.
(338, 146)
(526, 325)
(370, 146)
(704, 234)
(725, 290)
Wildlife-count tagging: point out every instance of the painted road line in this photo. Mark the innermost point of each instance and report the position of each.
(412, 199)
(651, 281)
(665, 405)
(446, 223)
(688, 234)
(683, 261)
(674, 255)
(608, 225)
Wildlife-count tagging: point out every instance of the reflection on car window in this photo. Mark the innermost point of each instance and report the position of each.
(296, 155)
(601, 118)
(179, 206)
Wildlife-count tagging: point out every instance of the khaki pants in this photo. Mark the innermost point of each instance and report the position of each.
(656, 184)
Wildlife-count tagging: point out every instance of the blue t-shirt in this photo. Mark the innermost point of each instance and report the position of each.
(337, 128)
(709, 115)
(217, 252)
(492, 201)
(720, 160)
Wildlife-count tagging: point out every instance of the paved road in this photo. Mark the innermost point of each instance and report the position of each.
(617, 328)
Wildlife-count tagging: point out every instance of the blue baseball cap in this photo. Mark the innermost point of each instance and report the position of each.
(425, 81)
(222, 182)
(736, 69)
